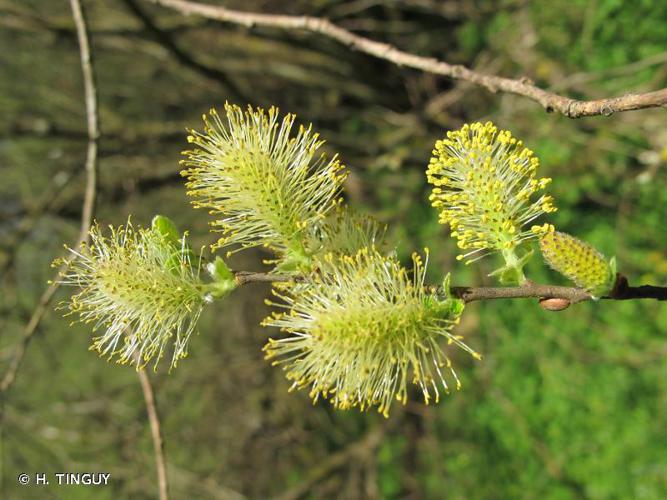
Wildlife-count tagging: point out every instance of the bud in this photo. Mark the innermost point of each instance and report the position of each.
(554, 304)
(362, 329)
(579, 262)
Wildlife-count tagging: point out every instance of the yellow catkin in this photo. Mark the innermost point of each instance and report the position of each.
(142, 291)
(486, 189)
(264, 182)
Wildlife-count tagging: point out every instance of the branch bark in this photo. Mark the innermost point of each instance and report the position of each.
(529, 290)
(572, 108)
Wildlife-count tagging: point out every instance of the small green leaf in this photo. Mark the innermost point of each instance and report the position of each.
(218, 289)
(166, 227)
(446, 285)
(219, 270)
(224, 280)
(295, 260)
(512, 272)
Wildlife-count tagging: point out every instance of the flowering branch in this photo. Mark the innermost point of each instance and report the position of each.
(356, 325)
(572, 108)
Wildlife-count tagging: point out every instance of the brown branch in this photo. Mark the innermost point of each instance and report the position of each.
(243, 277)
(93, 131)
(525, 291)
(156, 434)
(571, 108)
(529, 290)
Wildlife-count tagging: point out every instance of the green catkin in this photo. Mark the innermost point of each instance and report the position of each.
(141, 288)
(265, 183)
(578, 261)
(362, 330)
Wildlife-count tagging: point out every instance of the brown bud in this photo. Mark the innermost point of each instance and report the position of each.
(554, 304)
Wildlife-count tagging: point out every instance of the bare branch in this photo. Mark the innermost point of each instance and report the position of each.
(93, 132)
(243, 277)
(571, 108)
(156, 433)
(525, 291)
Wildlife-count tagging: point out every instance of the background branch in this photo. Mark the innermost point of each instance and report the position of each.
(93, 132)
(571, 108)
(156, 433)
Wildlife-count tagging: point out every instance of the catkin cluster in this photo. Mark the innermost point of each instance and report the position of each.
(357, 327)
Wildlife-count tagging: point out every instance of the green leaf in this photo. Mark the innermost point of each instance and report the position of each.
(166, 227)
(220, 271)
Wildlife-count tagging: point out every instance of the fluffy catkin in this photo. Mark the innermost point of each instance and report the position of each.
(141, 289)
(486, 189)
(362, 330)
(265, 183)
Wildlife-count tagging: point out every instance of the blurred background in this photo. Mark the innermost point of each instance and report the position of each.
(566, 405)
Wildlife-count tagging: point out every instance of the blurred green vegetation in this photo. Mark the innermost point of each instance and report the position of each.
(567, 405)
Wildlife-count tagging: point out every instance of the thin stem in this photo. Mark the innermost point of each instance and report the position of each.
(156, 433)
(513, 272)
(572, 108)
(92, 122)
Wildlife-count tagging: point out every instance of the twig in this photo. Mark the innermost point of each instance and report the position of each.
(156, 434)
(92, 122)
(571, 108)
(243, 277)
(529, 290)
(525, 291)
